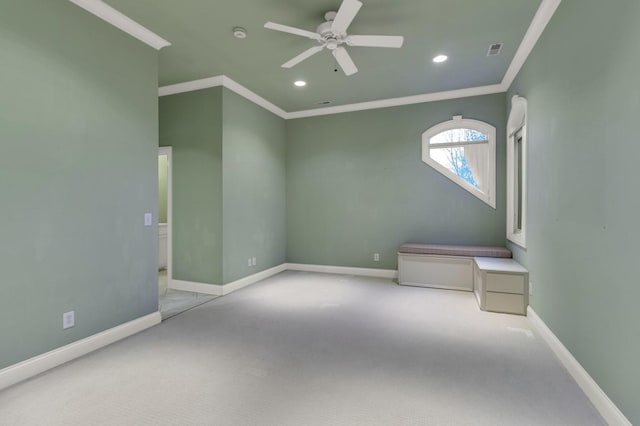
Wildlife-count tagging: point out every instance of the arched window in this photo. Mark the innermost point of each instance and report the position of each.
(464, 150)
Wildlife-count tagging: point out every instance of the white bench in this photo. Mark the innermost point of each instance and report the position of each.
(499, 282)
(442, 266)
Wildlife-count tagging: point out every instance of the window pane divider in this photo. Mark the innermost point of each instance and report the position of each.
(434, 145)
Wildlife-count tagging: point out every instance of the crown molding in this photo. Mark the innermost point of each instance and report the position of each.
(407, 100)
(122, 22)
(191, 86)
(539, 23)
(224, 81)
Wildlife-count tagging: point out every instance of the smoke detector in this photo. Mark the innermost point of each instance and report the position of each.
(239, 32)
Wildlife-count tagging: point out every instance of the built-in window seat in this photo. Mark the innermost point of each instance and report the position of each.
(499, 282)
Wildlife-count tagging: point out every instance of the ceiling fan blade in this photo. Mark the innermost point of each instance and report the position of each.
(293, 30)
(301, 57)
(375, 41)
(345, 61)
(348, 10)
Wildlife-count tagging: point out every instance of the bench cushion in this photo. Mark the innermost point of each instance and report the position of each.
(453, 250)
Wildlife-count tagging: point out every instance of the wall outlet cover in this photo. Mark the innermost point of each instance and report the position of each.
(148, 219)
(68, 319)
(376, 257)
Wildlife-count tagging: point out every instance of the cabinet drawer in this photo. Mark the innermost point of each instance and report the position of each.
(505, 283)
(507, 303)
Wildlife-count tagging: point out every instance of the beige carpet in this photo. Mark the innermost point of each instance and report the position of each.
(311, 349)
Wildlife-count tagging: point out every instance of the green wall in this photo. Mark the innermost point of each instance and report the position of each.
(356, 185)
(78, 170)
(191, 123)
(254, 196)
(162, 188)
(228, 185)
(581, 82)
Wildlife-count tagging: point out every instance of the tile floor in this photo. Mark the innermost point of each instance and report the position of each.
(173, 302)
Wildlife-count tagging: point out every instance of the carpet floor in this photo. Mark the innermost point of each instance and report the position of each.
(313, 349)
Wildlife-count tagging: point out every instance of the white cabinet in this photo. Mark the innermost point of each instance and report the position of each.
(425, 270)
(501, 285)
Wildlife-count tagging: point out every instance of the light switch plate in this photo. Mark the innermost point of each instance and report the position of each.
(68, 319)
(148, 219)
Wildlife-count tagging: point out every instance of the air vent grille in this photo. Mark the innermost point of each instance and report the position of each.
(495, 49)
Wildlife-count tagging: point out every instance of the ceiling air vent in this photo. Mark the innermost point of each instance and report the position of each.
(495, 49)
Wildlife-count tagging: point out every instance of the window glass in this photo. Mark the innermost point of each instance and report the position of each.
(464, 151)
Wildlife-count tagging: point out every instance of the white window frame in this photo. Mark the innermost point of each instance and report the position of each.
(464, 123)
(517, 129)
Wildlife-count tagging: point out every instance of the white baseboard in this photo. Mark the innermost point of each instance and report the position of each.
(38, 364)
(599, 399)
(344, 270)
(251, 279)
(213, 289)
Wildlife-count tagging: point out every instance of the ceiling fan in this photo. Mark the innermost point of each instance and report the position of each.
(332, 34)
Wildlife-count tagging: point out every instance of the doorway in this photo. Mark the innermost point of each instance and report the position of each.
(165, 215)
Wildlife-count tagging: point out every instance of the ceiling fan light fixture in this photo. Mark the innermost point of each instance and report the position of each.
(440, 59)
(300, 83)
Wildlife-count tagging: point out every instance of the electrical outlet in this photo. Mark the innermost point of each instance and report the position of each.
(68, 319)
(253, 261)
(376, 257)
(530, 289)
(249, 262)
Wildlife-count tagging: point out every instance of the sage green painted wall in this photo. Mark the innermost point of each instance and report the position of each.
(78, 170)
(191, 123)
(582, 253)
(162, 188)
(254, 195)
(356, 185)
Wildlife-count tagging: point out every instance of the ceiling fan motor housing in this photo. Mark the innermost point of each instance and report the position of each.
(331, 40)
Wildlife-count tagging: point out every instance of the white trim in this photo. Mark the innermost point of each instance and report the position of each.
(224, 81)
(596, 395)
(251, 279)
(344, 270)
(38, 364)
(222, 290)
(168, 151)
(253, 97)
(406, 100)
(190, 86)
(196, 287)
(107, 13)
(539, 23)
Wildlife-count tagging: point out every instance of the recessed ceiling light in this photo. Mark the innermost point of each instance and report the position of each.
(239, 32)
(300, 83)
(440, 58)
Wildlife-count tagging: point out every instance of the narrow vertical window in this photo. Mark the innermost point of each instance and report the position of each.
(517, 175)
(516, 172)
